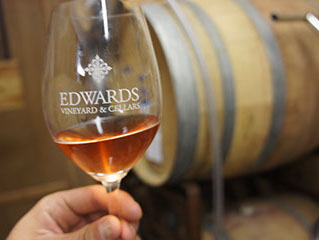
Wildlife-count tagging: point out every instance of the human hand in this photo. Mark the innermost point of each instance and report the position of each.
(87, 213)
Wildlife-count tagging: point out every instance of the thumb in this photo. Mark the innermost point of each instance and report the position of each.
(106, 228)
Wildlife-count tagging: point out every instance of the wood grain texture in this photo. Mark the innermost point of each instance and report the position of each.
(200, 156)
(252, 83)
(300, 52)
(202, 159)
(275, 84)
(252, 80)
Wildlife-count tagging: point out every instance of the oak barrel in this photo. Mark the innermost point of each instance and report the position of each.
(265, 81)
(286, 217)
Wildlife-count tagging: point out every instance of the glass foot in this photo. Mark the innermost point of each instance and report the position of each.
(110, 181)
(111, 186)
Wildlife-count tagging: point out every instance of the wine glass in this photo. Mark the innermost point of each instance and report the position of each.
(101, 91)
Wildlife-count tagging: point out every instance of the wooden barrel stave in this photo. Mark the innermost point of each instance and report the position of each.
(278, 78)
(259, 99)
(200, 158)
(154, 171)
(252, 81)
(284, 217)
(189, 105)
(297, 135)
(203, 161)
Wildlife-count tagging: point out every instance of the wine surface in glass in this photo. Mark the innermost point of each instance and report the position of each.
(108, 145)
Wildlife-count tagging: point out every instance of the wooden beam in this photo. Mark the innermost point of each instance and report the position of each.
(11, 94)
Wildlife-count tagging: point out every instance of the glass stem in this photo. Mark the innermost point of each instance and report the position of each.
(111, 186)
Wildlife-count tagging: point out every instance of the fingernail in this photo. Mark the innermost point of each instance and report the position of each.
(105, 230)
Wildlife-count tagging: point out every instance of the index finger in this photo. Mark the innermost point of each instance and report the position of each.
(87, 200)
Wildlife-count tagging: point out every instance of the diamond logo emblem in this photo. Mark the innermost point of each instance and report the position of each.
(98, 69)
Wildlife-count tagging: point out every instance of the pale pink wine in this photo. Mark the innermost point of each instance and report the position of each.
(112, 145)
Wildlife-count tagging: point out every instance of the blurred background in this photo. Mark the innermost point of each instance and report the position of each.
(262, 58)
